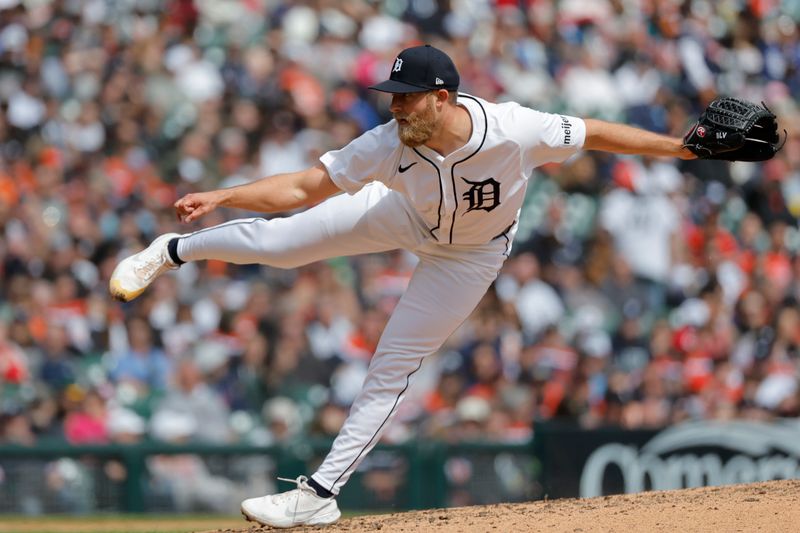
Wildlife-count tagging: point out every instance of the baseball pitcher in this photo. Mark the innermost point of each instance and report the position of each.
(445, 179)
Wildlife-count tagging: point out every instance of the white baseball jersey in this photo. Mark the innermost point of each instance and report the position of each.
(448, 211)
(474, 194)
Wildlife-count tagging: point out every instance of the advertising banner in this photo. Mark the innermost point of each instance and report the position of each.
(586, 463)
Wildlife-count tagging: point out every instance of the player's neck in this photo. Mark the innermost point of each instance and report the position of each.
(454, 132)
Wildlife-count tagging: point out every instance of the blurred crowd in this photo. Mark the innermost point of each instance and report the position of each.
(639, 292)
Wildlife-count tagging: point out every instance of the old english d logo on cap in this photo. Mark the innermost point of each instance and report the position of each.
(418, 69)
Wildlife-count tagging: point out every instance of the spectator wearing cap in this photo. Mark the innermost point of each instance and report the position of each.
(282, 418)
(125, 426)
(472, 415)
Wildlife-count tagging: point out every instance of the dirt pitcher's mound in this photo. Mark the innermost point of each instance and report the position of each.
(773, 506)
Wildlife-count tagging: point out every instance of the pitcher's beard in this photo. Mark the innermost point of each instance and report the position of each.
(419, 128)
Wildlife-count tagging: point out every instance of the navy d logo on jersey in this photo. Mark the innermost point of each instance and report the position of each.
(482, 194)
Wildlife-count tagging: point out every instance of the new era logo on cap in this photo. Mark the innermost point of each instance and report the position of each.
(418, 69)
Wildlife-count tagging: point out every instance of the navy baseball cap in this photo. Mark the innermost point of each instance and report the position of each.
(418, 69)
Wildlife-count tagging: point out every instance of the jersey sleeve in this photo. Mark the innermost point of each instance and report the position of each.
(364, 159)
(546, 137)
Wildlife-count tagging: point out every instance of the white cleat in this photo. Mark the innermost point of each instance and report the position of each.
(297, 507)
(136, 272)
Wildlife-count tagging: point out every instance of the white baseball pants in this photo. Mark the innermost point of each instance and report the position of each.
(446, 285)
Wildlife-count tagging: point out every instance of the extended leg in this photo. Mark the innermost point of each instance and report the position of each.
(372, 220)
(441, 295)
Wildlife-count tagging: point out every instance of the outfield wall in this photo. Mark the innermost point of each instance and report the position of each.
(583, 463)
(561, 461)
(154, 477)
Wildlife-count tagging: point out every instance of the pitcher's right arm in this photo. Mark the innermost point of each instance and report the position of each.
(281, 192)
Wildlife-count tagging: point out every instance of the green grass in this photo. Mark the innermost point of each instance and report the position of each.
(118, 523)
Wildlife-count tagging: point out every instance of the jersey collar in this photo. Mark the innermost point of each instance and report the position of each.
(478, 117)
